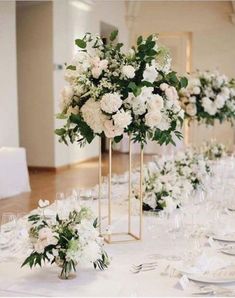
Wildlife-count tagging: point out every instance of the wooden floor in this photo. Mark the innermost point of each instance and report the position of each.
(45, 184)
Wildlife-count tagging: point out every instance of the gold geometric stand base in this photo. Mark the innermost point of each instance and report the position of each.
(120, 238)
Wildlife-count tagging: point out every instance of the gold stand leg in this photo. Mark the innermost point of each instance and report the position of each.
(108, 237)
(110, 190)
(186, 133)
(141, 190)
(130, 190)
(100, 182)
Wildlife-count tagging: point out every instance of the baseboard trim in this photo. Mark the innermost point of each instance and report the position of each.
(61, 168)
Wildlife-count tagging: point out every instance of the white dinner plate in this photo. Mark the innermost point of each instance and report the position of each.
(226, 238)
(229, 250)
(211, 279)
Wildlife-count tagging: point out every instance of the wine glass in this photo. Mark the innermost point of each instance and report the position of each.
(60, 199)
(7, 230)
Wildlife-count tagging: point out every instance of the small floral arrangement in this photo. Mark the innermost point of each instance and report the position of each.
(110, 93)
(213, 150)
(192, 167)
(167, 181)
(162, 188)
(209, 96)
(66, 242)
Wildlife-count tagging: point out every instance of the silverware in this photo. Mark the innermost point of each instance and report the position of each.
(143, 267)
(214, 291)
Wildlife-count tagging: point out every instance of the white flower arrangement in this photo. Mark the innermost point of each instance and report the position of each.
(213, 150)
(209, 96)
(66, 242)
(165, 182)
(110, 93)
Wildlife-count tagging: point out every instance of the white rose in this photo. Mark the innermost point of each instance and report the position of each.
(122, 119)
(93, 115)
(96, 72)
(171, 93)
(220, 101)
(165, 123)
(164, 86)
(110, 102)
(191, 109)
(196, 90)
(111, 130)
(128, 71)
(192, 99)
(226, 92)
(153, 118)
(156, 102)
(150, 74)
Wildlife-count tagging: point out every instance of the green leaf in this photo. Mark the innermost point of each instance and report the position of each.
(139, 40)
(113, 35)
(60, 131)
(72, 67)
(118, 139)
(80, 43)
(183, 82)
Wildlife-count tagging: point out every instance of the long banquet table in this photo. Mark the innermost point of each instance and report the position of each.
(118, 280)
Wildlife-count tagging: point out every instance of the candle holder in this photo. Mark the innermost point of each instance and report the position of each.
(126, 234)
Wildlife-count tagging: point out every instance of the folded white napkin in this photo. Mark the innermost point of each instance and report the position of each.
(205, 263)
(223, 230)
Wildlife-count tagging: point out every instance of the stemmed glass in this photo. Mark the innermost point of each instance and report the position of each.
(8, 232)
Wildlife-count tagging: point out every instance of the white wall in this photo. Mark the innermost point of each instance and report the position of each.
(71, 20)
(213, 33)
(35, 82)
(9, 135)
(213, 42)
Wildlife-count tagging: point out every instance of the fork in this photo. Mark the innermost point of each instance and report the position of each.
(143, 267)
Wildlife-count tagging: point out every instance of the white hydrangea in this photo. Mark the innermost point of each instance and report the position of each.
(93, 115)
(111, 102)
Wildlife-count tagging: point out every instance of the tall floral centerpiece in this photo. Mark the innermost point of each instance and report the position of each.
(111, 93)
(208, 96)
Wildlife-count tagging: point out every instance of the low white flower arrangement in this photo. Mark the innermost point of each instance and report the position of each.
(166, 182)
(66, 242)
(110, 93)
(213, 150)
(209, 96)
(192, 167)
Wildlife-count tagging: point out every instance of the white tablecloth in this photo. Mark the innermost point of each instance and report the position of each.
(118, 280)
(14, 178)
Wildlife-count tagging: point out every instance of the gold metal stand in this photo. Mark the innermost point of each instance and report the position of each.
(186, 132)
(127, 235)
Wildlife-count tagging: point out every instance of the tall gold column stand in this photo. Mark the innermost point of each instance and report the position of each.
(127, 234)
